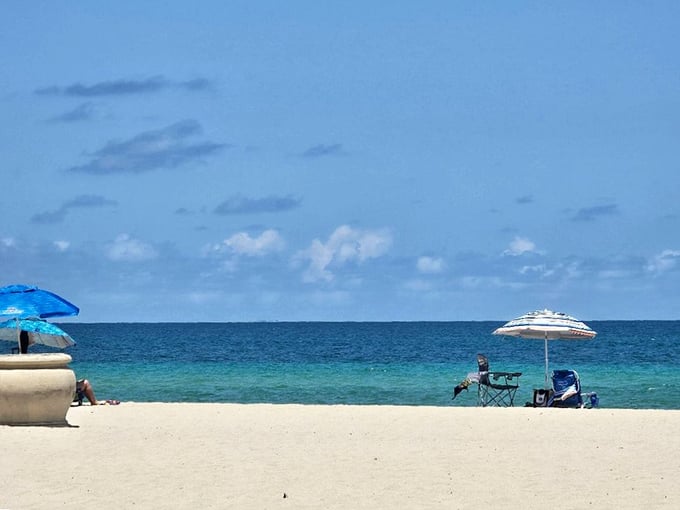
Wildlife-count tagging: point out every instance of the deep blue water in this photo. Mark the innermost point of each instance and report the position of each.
(630, 364)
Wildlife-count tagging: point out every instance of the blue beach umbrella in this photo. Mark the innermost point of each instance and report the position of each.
(28, 302)
(38, 330)
(24, 301)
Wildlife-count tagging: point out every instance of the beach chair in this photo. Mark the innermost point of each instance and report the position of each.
(495, 388)
(566, 389)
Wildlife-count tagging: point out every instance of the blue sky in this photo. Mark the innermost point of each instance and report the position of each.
(242, 161)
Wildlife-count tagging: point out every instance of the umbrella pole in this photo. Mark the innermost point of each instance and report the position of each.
(546, 360)
(18, 334)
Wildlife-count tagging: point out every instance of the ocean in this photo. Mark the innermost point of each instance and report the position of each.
(629, 364)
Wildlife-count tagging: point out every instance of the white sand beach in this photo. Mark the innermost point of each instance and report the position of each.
(292, 456)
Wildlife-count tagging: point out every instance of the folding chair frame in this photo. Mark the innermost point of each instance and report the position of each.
(497, 388)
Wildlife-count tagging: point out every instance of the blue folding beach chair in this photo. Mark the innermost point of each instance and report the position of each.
(567, 391)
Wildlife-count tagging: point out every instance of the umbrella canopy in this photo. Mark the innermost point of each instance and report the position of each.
(546, 325)
(24, 301)
(39, 332)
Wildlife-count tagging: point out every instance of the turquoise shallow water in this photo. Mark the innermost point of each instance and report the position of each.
(630, 364)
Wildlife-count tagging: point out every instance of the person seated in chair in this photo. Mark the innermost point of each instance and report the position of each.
(479, 377)
(494, 388)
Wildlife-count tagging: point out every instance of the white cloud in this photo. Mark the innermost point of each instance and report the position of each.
(61, 246)
(319, 256)
(430, 265)
(664, 261)
(344, 245)
(127, 249)
(520, 246)
(540, 269)
(8, 242)
(243, 244)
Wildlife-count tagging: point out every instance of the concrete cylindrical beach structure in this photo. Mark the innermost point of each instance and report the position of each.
(35, 389)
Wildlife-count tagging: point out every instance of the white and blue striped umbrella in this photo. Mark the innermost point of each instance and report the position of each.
(39, 332)
(546, 325)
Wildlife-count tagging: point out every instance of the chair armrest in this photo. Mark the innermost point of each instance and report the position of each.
(507, 382)
(507, 375)
(567, 394)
